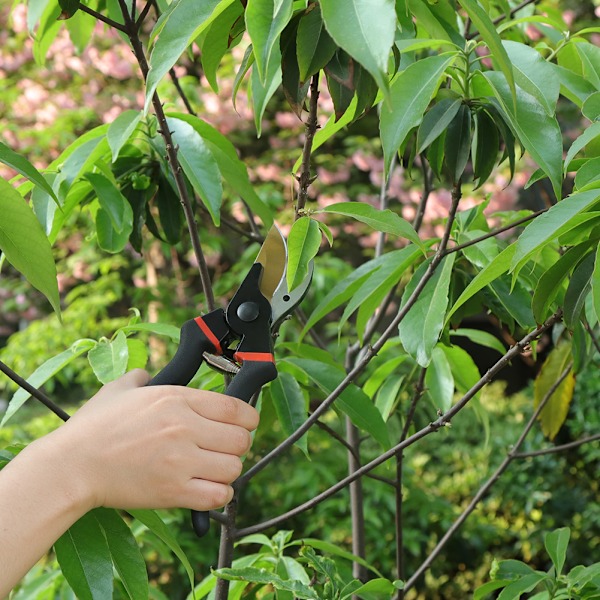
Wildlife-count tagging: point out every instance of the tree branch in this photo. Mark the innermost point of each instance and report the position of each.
(37, 394)
(487, 485)
(101, 17)
(434, 426)
(557, 449)
(181, 93)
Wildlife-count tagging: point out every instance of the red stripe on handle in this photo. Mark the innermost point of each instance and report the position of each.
(254, 356)
(212, 338)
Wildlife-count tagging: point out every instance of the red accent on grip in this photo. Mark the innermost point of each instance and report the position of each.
(212, 338)
(254, 356)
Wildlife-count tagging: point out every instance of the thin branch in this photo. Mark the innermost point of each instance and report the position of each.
(593, 337)
(418, 220)
(556, 449)
(143, 14)
(305, 178)
(181, 93)
(434, 426)
(487, 485)
(37, 394)
(336, 436)
(501, 18)
(184, 198)
(101, 17)
(369, 354)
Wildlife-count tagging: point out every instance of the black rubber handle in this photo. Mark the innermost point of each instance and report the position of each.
(250, 379)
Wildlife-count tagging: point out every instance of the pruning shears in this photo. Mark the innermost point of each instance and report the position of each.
(239, 339)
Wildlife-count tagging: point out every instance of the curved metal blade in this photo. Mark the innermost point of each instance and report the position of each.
(285, 302)
(273, 257)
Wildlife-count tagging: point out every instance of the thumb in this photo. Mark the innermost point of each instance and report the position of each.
(134, 379)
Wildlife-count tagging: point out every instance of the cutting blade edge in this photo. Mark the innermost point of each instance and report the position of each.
(273, 258)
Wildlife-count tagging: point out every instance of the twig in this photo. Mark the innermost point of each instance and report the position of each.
(501, 18)
(556, 449)
(101, 17)
(434, 426)
(305, 179)
(487, 485)
(418, 220)
(181, 93)
(37, 394)
(593, 337)
(143, 14)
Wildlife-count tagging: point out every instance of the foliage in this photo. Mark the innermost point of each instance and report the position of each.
(423, 123)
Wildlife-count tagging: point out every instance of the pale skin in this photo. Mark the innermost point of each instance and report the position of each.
(130, 446)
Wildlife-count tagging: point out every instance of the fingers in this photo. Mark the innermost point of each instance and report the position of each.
(133, 379)
(205, 495)
(222, 437)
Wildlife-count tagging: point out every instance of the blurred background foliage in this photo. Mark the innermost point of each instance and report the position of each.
(46, 106)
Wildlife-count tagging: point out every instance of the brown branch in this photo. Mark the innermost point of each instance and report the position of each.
(418, 220)
(305, 178)
(181, 93)
(434, 426)
(593, 337)
(101, 17)
(143, 14)
(37, 394)
(557, 449)
(487, 485)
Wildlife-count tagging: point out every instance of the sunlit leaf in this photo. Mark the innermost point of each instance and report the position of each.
(439, 380)
(556, 543)
(589, 134)
(303, 242)
(120, 130)
(109, 359)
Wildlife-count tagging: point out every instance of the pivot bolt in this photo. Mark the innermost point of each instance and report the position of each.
(248, 311)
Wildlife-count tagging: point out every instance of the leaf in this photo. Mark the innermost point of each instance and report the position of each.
(550, 226)
(380, 220)
(484, 590)
(591, 107)
(137, 354)
(436, 121)
(120, 130)
(108, 359)
(457, 145)
(198, 164)
(157, 526)
(352, 401)
(373, 589)
(169, 210)
(485, 147)
(263, 576)
(159, 328)
(490, 36)
(265, 20)
(555, 412)
(43, 373)
(421, 327)
(525, 584)
(25, 244)
(84, 558)
(125, 553)
(290, 406)
(439, 380)
(263, 92)
(112, 202)
(578, 290)
(304, 241)
(314, 46)
(534, 74)
(493, 271)
(591, 133)
(68, 9)
(177, 28)
(539, 133)
(596, 284)
(464, 370)
(365, 30)
(340, 82)
(410, 95)
(22, 165)
(556, 543)
(483, 338)
(387, 396)
(233, 170)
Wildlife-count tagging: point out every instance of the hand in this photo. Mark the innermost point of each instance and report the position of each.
(133, 446)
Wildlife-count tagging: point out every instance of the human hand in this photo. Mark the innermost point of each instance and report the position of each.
(133, 446)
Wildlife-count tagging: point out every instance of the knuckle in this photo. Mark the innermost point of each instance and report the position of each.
(241, 441)
(220, 495)
(230, 409)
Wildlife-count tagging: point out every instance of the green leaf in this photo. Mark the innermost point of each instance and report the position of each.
(120, 130)
(159, 328)
(290, 406)
(233, 170)
(550, 225)
(112, 202)
(591, 133)
(591, 107)
(365, 30)
(485, 146)
(588, 172)
(464, 370)
(380, 220)
(490, 36)
(578, 290)
(125, 553)
(157, 526)
(314, 46)
(84, 558)
(556, 543)
(265, 20)
(538, 132)
(596, 284)
(198, 164)
(555, 412)
(421, 327)
(457, 145)
(263, 576)
(374, 589)
(169, 210)
(410, 95)
(68, 9)
(304, 241)
(483, 338)
(483, 591)
(177, 28)
(534, 74)
(137, 354)
(25, 244)
(43, 373)
(108, 359)
(527, 583)
(109, 238)
(352, 401)
(387, 395)
(439, 380)
(436, 121)
(263, 92)
(22, 165)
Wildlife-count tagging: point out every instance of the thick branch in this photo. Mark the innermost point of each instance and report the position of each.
(487, 485)
(434, 426)
(37, 394)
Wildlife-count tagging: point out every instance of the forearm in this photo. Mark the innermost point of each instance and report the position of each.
(39, 501)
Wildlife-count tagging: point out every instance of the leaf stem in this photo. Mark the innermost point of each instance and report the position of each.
(101, 17)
